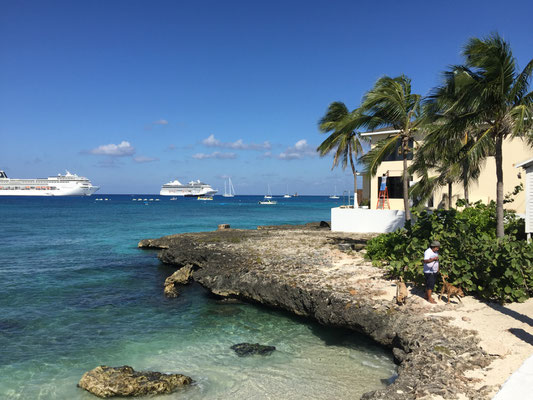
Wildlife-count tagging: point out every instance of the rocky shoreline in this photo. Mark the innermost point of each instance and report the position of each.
(293, 268)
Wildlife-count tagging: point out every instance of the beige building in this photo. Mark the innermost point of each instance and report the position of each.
(515, 151)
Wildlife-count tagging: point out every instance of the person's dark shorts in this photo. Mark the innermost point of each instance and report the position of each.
(431, 279)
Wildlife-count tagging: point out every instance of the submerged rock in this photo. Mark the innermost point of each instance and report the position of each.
(250, 349)
(104, 381)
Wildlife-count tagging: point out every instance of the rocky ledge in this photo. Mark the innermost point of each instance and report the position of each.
(124, 381)
(300, 269)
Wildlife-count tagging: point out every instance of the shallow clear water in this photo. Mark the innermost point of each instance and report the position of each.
(77, 293)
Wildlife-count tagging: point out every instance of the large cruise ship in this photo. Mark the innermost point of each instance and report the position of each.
(60, 185)
(193, 188)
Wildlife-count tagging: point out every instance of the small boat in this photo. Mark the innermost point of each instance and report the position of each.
(151, 199)
(269, 193)
(334, 196)
(229, 186)
(173, 198)
(205, 198)
(156, 199)
(268, 202)
(133, 199)
(287, 195)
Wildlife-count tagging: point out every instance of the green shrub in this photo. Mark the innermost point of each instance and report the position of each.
(472, 256)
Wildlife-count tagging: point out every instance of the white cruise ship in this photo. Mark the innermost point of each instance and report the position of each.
(193, 188)
(60, 185)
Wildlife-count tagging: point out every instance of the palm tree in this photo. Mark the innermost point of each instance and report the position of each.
(390, 103)
(488, 98)
(344, 139)
(447, 161)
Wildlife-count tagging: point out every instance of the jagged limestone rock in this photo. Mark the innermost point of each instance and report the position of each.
(104, 381)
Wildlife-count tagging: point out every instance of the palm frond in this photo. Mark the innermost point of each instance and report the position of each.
(521, 83)
(375, 156)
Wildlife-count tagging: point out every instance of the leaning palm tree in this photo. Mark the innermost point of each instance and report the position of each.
(390, 103)
(344, 140)
(491, 100)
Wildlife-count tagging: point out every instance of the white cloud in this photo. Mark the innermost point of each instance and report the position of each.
(211, 141)
(122, 149)
(160, 122)
(301, 149)
(144, 159)
(218, 155)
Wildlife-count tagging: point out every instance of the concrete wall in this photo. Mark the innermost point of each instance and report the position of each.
(361, 220)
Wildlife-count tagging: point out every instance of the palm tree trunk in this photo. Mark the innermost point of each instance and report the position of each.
(464, 178)
(450, 194)
(353, 168)
(499, 186)
(405, 142)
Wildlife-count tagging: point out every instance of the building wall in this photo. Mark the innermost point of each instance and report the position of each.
(514, 152)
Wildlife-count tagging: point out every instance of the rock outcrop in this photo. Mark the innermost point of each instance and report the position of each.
(106, 382)
(181, 277)
(250, 349)
(291, 269)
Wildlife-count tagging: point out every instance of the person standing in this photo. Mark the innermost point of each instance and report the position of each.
(431, 268)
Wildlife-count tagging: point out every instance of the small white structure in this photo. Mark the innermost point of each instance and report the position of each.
(528, 167)
(362, 220)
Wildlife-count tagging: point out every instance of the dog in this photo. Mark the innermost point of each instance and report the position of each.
(450, 290)
(401, 292)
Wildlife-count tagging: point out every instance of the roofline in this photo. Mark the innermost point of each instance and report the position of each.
(379, 133)
(524, 164)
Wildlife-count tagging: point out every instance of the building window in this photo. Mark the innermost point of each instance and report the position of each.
(394, 187)
(396, 155)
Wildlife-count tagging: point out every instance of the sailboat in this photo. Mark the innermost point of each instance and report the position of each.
(229, 187)
(269, 193)
(287, 195)
(335, 197)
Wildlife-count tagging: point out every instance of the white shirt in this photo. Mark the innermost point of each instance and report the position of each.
(432, 266)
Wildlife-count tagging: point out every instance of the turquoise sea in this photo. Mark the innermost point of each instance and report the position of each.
(77, 293)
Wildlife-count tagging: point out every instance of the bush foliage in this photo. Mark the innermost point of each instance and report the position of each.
(471, 255)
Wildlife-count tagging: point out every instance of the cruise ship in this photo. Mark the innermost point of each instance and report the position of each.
(193, 188)
(60, 185)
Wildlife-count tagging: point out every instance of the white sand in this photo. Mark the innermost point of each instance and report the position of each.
(505, 331)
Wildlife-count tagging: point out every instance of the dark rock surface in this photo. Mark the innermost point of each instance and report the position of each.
(286, 268)
(106, 381)
(250, 349)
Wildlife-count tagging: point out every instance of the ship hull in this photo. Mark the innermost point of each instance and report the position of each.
(64, 191)
(178, 192)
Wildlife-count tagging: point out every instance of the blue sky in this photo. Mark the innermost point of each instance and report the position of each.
(133, 94)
